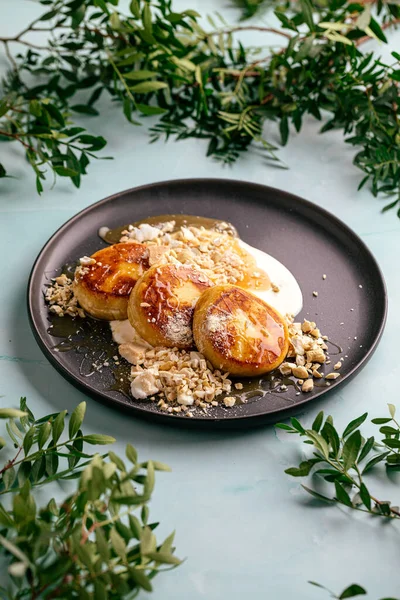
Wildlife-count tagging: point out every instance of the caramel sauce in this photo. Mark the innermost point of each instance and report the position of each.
(250, 281)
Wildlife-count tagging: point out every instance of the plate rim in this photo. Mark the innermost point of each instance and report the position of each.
(200, 420)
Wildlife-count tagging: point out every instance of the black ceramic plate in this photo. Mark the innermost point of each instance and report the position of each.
(350, 307)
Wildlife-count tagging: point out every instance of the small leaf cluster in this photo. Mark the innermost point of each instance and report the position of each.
(40, 449)
(342, 460)
(91, 545)
(351, 591)
(390, 428)
(200, 83)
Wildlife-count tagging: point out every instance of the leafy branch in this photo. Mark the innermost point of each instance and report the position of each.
(204, 84)
(91, 545)
(343, 460)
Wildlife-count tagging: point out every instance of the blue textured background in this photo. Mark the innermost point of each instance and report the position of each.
(246, 528)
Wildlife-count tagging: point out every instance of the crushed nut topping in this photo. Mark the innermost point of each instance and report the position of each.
(60, 297)
(332, 375)
(178, 377)
(307, 386)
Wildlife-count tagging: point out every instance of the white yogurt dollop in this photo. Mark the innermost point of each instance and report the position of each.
(289, 299)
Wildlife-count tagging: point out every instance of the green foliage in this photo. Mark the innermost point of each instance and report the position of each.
(91, 545)
(203, 84)
(343, 460)
(391, 441)
(350, 592)
(251, 7)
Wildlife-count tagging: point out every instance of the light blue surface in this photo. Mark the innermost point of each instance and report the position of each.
(246, 528)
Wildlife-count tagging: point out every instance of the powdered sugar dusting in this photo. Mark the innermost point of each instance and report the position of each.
(178, 329)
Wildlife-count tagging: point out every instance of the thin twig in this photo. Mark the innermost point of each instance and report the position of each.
(250, 28)
(10, 462)
(10, 56)
(17, 137)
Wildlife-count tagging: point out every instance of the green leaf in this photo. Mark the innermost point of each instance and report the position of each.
(366, 449)
(55, 113)
(134, 7)
(374, 461)
(332, 436)
(147, 19)
(44, 434)
(76, 419)
(24, 472)
(117, 460)
(319, 442)
(376, 30)
(364, 495)
(49, 15)
(302, 470)
(102, 4)
(391, 443)
(12, 413)
(147, 541)
(9, 477)
(307, 13)
(102, 545)
(100, 590)
(51, 463)
(144, 514)
(341, 494)
(316, 426)
(98, 439)
(351, 591)
(381, 421)
(354, 424)
(39, 186)
(297, 425)
(28, 439)
(164, 558)
(141, 579)
(150, 479)
(167, 545)
(284, 130)
(65, 172)
(131, 453)
(84, 109)
(118, 543)
(283, 426)
(148, 87)
(159, 466)
(135, 526)
(58, 426)
(351, 450)
(93, 142)
(115, 21)
(140, 75)
(150, 110)
(388, 430)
